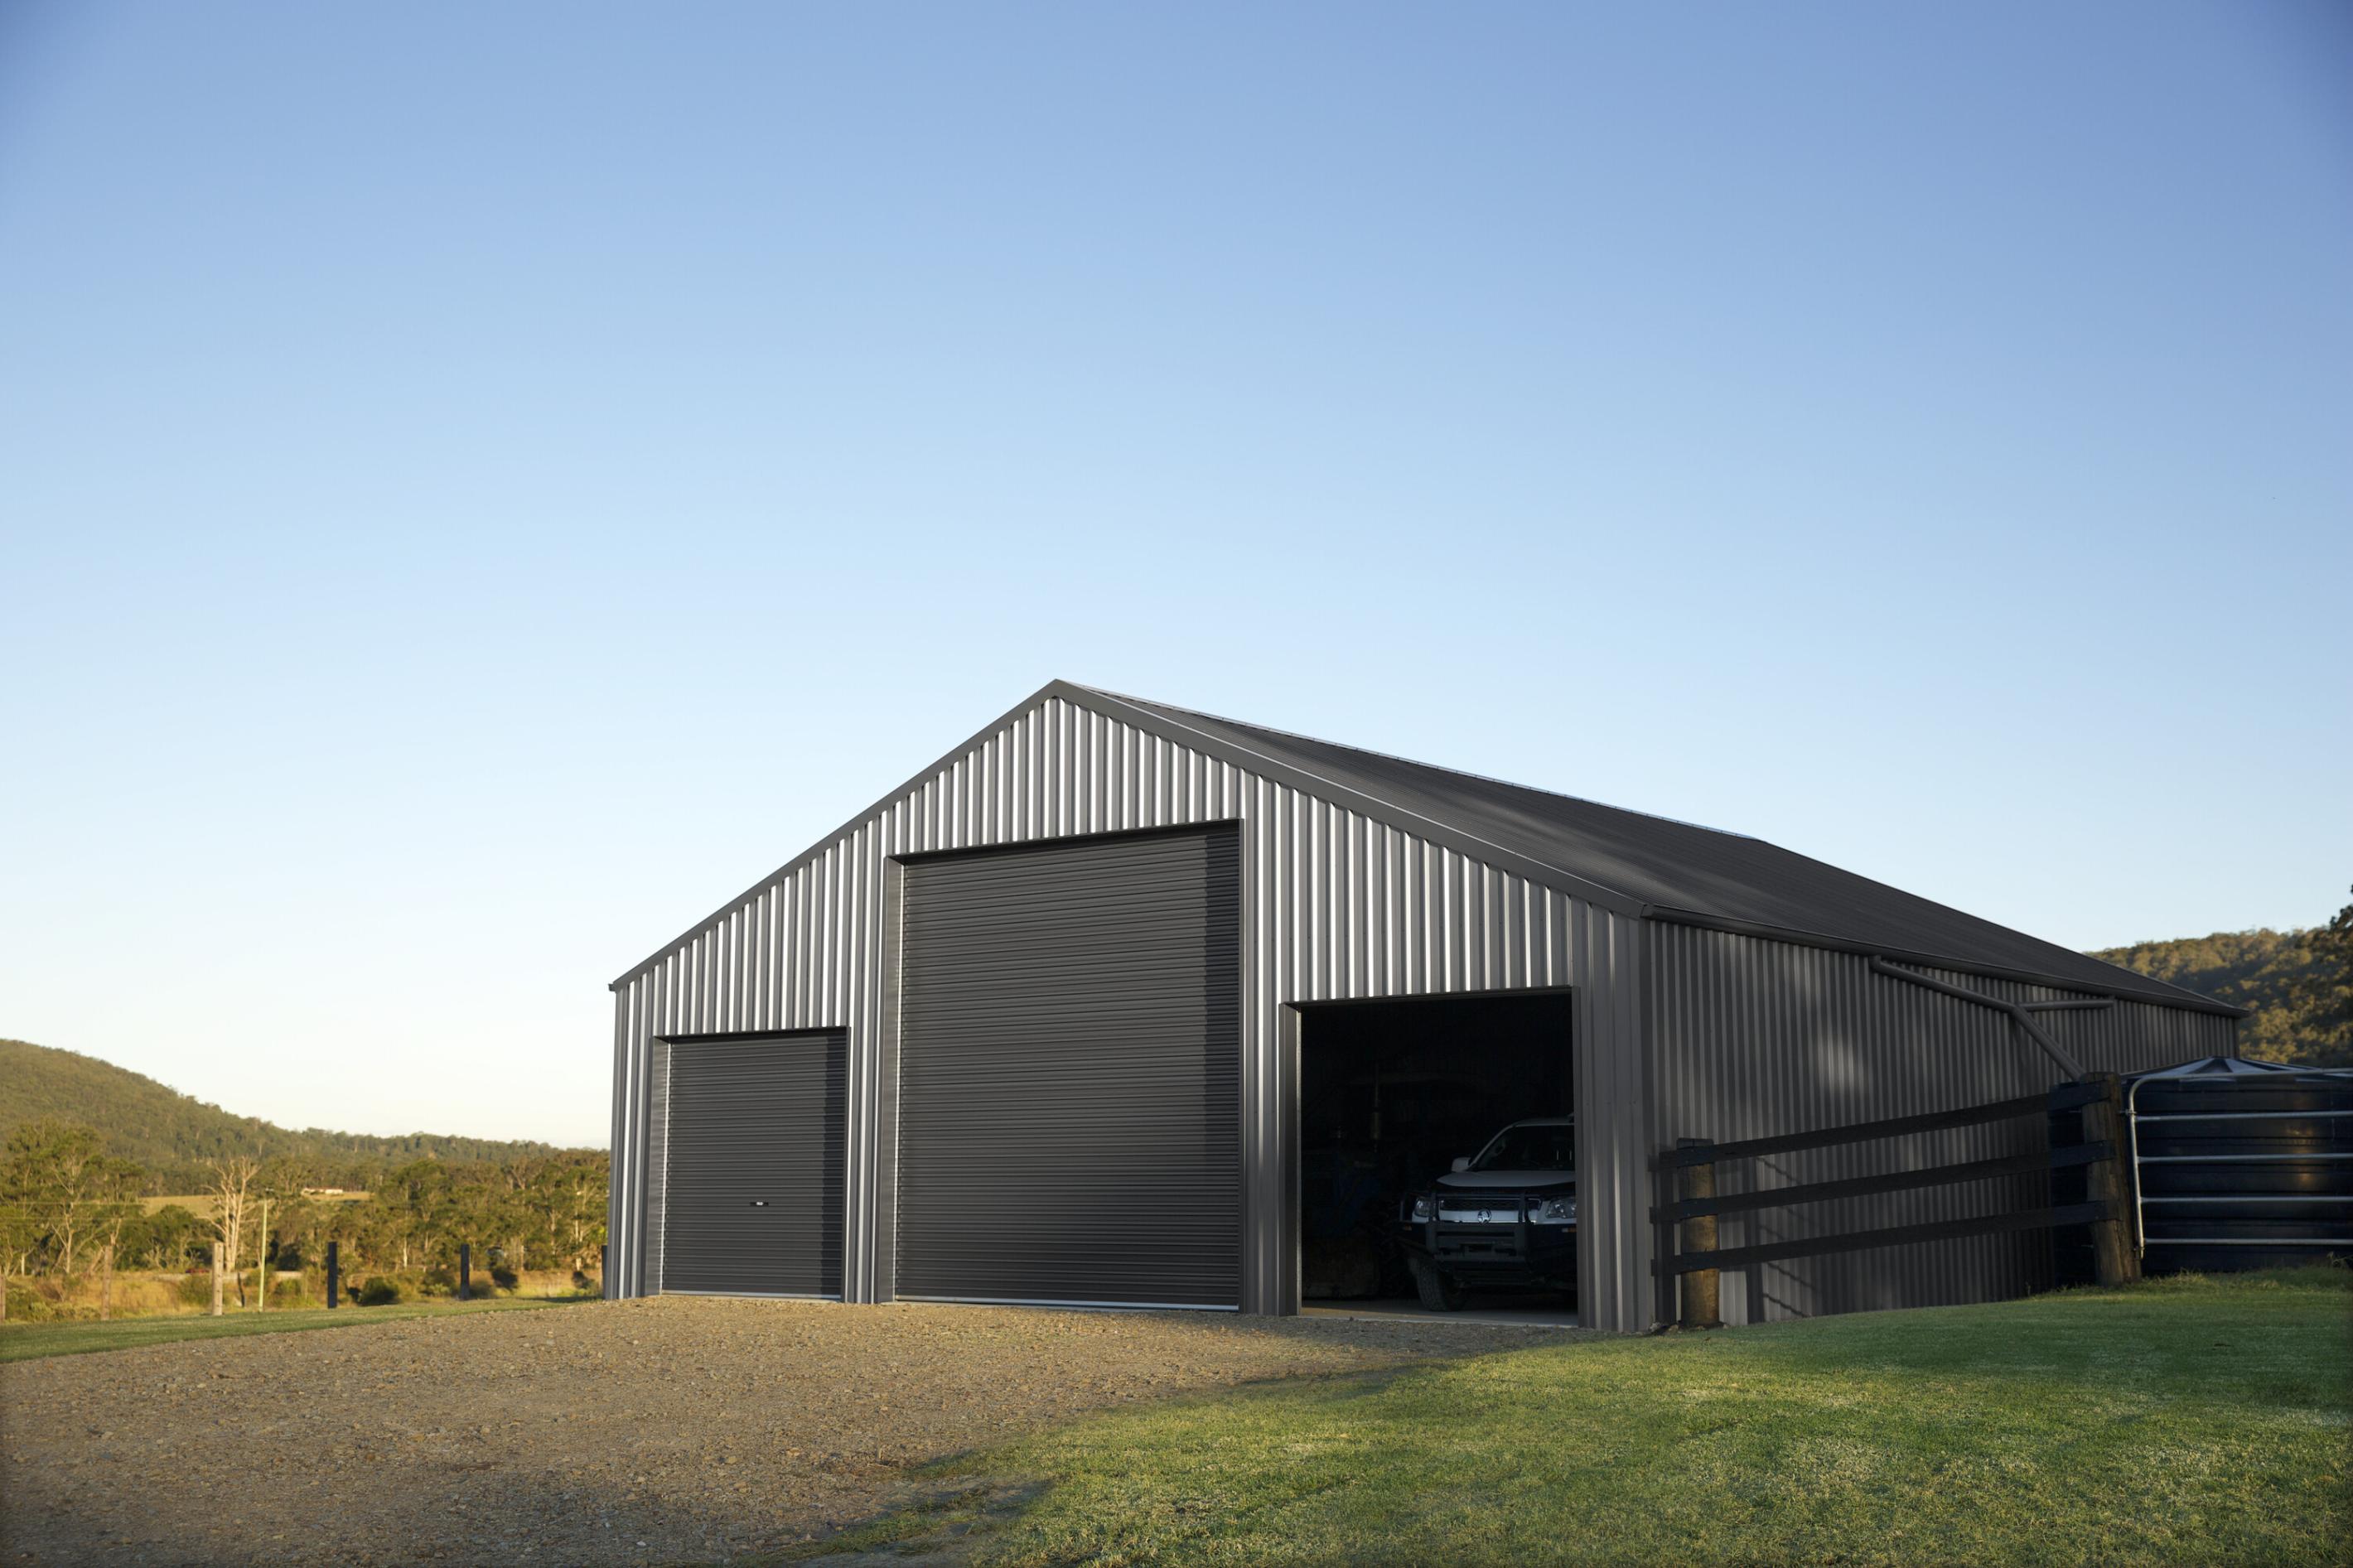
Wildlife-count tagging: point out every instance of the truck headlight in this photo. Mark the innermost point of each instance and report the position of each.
(1422, 1206)
(1557, 1211)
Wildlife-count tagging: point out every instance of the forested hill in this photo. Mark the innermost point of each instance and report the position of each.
(2293, 982)
(174, 1135)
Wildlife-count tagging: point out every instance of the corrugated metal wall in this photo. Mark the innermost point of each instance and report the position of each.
(1335, 905)
(1756, 1037)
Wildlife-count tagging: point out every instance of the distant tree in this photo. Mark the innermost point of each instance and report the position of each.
(162, 1239)
(19, 1234)
(114, 1203)
(299, 1227)
(563, 1209)
(233, 1193)
(62, 1167)
(2320, 1000)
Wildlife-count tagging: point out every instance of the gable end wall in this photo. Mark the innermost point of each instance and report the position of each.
(1335, 905)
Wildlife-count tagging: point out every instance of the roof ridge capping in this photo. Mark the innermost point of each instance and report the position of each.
(1434, 767)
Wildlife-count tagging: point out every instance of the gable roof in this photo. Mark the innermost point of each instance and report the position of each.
(1671, 870)
(1628, 861)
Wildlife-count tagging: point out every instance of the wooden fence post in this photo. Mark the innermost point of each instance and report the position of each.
(216, 1280)
(334, 1276)
(1701, 1286)
(465, 1270)
(2113, 1256)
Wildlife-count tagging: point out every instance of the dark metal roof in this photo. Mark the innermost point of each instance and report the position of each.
(1656, 867)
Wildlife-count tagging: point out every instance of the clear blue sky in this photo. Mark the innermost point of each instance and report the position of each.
(480, 484)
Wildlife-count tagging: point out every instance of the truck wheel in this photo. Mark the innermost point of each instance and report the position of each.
(1437, 1293)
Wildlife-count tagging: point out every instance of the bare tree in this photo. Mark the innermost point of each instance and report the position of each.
(233, 1181)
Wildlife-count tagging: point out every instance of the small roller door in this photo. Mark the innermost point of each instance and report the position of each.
(754, 1194)
(1069, 1073)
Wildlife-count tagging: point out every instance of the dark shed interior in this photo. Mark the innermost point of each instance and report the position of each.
(1390, 1093)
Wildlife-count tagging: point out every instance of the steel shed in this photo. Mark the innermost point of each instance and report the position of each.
(1721, 986)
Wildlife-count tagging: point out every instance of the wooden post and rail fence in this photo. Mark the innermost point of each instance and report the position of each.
(1696, 1262)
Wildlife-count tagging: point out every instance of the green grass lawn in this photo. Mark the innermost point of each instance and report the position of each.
(30, 1341)
(2189, 1421)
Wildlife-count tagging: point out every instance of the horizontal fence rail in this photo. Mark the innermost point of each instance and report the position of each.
(2066, 1096)
(1894, 1235)
(1895, 1181)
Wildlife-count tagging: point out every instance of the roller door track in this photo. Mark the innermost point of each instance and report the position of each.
(754, 1187)
(1069, 1074)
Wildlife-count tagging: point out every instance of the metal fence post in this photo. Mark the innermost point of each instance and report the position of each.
(1701, 1286)
(465, 1271)
(335, 1276)
(2112, 1254)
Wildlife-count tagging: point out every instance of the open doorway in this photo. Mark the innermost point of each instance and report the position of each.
(1391, 1094)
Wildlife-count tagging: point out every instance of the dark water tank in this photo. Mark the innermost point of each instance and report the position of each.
(2241, 1164)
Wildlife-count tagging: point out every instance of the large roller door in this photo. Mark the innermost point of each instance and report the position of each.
(1069, 1073)
(753, 1196)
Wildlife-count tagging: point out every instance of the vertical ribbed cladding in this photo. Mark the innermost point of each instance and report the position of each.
(1754, 1038)
(1603, 954)
(1335, 905)
(616, 1186)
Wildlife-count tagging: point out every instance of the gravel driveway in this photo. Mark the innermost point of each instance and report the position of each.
(674, 1430)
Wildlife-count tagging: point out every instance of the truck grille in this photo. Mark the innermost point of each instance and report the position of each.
(1496, 1208)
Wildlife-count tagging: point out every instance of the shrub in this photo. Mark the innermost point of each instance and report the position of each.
(27, 1305)
(439, 1281)
(197, 1290)
(379, 1291)
(581, 1282)
(503, 1276)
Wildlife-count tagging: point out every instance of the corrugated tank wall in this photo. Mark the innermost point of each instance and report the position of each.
(1755, 1037)
(1335, 905)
